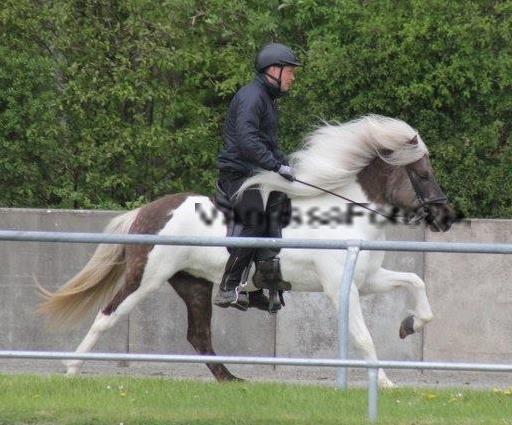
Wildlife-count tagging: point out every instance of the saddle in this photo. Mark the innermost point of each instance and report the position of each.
(279, 203)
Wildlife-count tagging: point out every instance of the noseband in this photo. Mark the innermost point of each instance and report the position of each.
(424, 209)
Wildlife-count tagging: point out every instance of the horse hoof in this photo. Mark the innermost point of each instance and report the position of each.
(72, 367)
(386, 384)
(72, 371)
(407, 327)
(231, 378)
(384, 381)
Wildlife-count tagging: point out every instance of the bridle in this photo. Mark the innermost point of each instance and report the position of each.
(424, 204)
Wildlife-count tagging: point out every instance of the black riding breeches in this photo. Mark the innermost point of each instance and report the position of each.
(252, 219)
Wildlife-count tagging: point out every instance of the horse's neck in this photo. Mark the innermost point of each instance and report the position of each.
(374, 179)
(353, 192)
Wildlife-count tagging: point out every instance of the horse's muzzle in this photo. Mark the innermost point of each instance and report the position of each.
(440, 217)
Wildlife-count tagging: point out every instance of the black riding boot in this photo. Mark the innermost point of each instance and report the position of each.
(257, 299)
(268, 275)
(229, 294)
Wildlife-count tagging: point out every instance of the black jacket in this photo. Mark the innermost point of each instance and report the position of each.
(250, 130)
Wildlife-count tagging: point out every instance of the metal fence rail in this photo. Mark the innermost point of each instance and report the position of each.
(353, 247)
(372, 367)
(365, 245)
(277, 361)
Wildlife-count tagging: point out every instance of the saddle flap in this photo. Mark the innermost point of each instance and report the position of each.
(222, 201)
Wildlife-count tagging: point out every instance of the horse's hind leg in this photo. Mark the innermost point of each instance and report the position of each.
(197, 294)
(384, 280)
(102, 322)
(136, 287)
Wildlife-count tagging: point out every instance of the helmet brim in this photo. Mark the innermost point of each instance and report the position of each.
(290, 63)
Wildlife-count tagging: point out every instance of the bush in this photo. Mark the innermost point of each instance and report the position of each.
(109, 104)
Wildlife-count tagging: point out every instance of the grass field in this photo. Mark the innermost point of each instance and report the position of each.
(27, 399)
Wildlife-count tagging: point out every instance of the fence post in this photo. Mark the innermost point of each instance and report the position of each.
(343, 305)
(373, 394)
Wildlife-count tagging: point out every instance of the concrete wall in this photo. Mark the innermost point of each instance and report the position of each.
(471, 296)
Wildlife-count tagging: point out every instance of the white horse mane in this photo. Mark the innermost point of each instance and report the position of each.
(333, 155)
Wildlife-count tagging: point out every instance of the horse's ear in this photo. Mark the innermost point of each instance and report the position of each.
(414, 140)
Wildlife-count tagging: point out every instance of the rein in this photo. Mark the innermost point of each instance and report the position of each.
(344, 198)
(424, 203)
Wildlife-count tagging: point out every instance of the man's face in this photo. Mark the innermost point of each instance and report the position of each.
(287, 76)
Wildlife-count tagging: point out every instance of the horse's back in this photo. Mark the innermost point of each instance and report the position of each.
(154, 216)
(196, 215)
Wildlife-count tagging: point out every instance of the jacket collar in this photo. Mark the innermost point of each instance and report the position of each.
(272, 90)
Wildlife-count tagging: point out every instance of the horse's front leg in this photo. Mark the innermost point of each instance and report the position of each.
(358, 330)
(361, 335)
(384, 280)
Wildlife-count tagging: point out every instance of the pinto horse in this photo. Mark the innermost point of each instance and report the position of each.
(372, 160)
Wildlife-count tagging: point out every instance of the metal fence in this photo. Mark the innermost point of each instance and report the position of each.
(353, 247)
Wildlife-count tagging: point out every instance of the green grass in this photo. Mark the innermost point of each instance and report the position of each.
(26, 399)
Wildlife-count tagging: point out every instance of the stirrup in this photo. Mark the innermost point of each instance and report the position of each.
(242, 299)
(232, 298)
(235, 297)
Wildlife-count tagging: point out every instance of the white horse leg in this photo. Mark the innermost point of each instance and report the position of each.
(358, 330)
(384, 280)
(125, 300)
(104, 322)
(361, 337)
(100, 325)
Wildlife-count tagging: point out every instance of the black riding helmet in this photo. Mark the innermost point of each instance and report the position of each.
(276, 54)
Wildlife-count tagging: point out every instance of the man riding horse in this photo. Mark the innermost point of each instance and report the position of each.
(250, 144)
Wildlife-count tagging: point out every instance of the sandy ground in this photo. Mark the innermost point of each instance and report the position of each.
(292, 375)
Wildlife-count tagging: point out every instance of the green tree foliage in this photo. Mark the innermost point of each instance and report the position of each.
(111, 103)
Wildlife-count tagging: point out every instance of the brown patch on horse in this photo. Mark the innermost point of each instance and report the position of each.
(386, 184)
(150, 220)
(373, 180)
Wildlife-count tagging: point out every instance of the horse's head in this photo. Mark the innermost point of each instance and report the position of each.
(412, 188)
(385, 155)
(429, 203)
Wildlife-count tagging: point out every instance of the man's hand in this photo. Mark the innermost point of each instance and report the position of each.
(286, 172)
